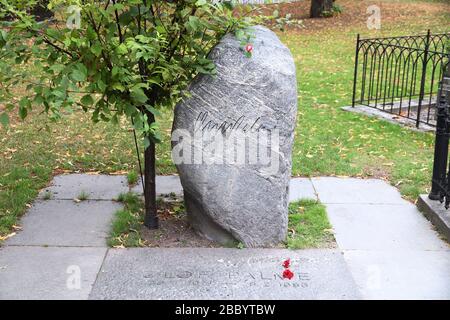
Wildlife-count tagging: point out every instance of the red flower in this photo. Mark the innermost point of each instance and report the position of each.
(288, 274)
(287, 263)
(249, 48)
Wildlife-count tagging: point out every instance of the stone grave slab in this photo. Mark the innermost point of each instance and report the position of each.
(203, 273)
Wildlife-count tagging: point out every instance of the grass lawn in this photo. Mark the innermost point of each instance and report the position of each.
(328, 141)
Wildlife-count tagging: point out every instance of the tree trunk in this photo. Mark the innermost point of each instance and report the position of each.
(151, 217)
(319, 6)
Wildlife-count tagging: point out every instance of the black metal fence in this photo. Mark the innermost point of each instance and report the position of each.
(440, 189)
(401, 75)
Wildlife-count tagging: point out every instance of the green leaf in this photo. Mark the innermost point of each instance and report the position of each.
(24, 104)
(101, 85)
(4, 119)
(200, 3)
(118, 86)
(87, 100)
(78, 76)
(138, 95)
(146, 142)
(23, 112)
(194, 23)
(3, 36)
(153, 110)
(122, 49)
(96, 49)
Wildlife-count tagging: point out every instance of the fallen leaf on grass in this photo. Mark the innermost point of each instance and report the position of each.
(7, 236)
(118, 173)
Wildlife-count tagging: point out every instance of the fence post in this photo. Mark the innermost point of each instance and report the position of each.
(439, 182)
(355, 75)
(424, 73)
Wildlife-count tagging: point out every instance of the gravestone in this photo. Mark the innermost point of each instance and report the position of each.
(222, 274)
(232, 141)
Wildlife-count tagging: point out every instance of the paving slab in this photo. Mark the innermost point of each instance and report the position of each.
(97, 187)
(390, 117)
(164, 185)
(66, 223)
(201, 273)
(401, 274)
(40, 273)
(353, 190)
(301, 188)
(382, 227)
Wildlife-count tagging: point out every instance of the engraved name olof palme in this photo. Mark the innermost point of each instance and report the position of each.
(239, 142)
(205, 122)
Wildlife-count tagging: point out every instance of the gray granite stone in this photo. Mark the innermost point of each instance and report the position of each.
(436, 213)
(247, 101)
(353, 190)
(44, 273)
(97, 187)
(301, 188)
(401, 274)
(66, 223)
(165, 185)
(146, 273)
(382, 227)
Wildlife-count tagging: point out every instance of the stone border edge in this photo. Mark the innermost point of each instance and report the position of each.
(436, 213)
(403, 122)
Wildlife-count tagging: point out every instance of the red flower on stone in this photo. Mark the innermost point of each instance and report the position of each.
(288, 274)
(287, 263)
(249, 48)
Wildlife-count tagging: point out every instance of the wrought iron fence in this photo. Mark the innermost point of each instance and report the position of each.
(440, 188)
(401, 75)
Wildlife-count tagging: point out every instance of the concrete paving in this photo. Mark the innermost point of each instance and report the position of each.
(45, 273)
(165, 185)
(96, 187)
(387, 250)
(400, 274)
(382, 227)
(66, 223)
(353, 190)
(392, 250)
(301, 188)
